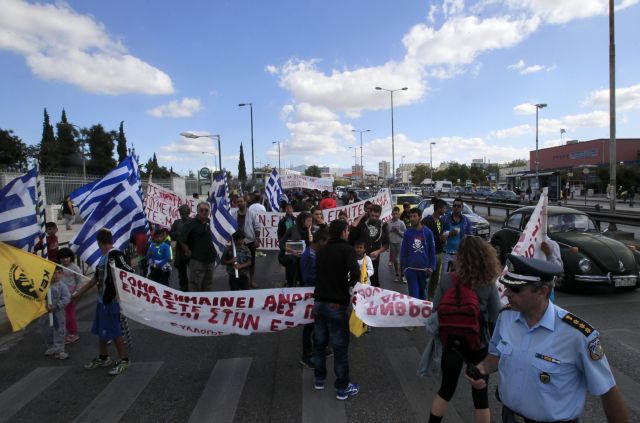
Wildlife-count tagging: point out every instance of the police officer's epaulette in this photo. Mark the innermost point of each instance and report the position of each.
(578, 323)
(506, 307)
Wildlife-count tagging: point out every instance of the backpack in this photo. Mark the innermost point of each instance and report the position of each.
(459, 315)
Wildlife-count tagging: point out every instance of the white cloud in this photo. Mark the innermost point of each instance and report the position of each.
(525, 109)
(559, 12)
(177, 108)
(595, 119)
(60, 44)
(186, 149)
(523, 69)
(452, 7)
(433, 9)
(514, 132)
(627, 98)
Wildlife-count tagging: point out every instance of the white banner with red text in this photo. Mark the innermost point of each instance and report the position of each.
(534, 233)
(269, 220)
(306, 182)
(161, 205)
(379, 307)
(211, 313)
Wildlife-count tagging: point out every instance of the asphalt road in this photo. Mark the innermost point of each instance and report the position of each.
(258, 378)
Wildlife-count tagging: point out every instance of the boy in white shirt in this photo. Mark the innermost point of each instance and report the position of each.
(360, 255)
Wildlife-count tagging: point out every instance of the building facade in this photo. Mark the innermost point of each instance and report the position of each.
(585, 153)
(384, 169)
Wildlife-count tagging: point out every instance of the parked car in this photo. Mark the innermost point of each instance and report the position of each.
(589, 257)
(503, 196)
(400, 199)
(396, 191)
(481, 193)
(468, 191)
(457, 191)
(364, 194)
(480, 225)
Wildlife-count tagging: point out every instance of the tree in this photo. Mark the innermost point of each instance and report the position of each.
(242, 169)
(48, 157)
(122, 143)
(13, 152)
(313, 170)
(101, 145)
(152, 167)
(419, 173)
(66, 146)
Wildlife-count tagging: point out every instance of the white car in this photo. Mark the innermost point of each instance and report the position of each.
(480, 225)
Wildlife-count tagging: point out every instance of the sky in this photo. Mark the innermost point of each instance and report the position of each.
(473, 71)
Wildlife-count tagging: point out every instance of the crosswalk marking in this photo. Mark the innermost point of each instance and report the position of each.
(114, 400)
(221, 394)
(26, 389)
(321, 406)
(417, 390)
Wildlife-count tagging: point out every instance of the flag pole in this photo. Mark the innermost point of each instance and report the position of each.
(41, 205)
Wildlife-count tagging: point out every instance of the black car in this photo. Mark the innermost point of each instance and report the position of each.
(481, 193)
(503, 196)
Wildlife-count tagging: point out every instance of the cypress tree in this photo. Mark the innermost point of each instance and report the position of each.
(67, 150)
(242, 169)
(101, 145)
(122, 143)
(47, 157)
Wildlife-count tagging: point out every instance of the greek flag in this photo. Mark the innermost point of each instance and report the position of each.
(89, 196)
(220, 188)
(274, 191)
(18, 219)
(222, 224)
(121, 211)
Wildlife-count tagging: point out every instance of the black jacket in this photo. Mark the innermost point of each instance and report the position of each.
(374, 237)
(430, 223)
(337, 270)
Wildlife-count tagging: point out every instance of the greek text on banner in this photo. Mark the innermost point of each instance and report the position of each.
(161, 205)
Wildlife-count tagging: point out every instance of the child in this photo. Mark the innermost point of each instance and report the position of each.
(396, 232)
(54, 337)
(72, 279)
(241, 262)
(363, 258)
(308, 271)
(52, 241)
(159, 258)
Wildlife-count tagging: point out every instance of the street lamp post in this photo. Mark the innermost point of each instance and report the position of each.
(393, 151)
(538, 107)
(355, 161)
(192, 135)
(253, 165)
(431, 144)
(361, 165)
(278, 142)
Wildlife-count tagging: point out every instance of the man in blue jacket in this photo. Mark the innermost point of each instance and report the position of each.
(417, 255)
(455, 226)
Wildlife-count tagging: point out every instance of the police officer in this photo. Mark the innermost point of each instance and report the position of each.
(545, 356)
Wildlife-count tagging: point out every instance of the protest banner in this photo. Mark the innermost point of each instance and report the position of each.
(211, 313)
(161, 205)
(528, 244)
(379, 307)
(306, 182)
(268, 221)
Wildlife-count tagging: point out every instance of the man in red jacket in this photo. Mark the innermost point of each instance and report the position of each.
(327, 202)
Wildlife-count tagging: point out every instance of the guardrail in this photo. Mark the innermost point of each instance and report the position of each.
(598, 213)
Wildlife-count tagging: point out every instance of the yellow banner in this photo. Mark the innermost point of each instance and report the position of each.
(25, 280)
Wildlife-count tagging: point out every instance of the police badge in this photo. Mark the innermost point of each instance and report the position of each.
(596, 350)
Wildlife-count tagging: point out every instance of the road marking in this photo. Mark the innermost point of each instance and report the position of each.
(221, 394)
(26, 389)
(321, 406)
(114, 400)
(418, 390)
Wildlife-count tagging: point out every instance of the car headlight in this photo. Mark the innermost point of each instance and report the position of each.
(585, 265)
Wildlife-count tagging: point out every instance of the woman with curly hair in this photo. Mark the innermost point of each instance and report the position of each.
(477, 268)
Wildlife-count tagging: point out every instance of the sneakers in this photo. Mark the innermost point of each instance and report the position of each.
(61, 355)
(121, 366)
(306, 362)
(396, 279)
(50, 351)
(351, 390)
(98, 362)
(404, 280)
(318, 384)
(70, 339)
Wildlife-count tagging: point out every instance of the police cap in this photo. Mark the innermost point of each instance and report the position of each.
(523, 270)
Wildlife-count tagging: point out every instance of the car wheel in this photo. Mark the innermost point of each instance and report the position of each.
(500, 250)
(565, 283)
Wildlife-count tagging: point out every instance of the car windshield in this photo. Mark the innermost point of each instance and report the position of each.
(570, 223)
(411, 199)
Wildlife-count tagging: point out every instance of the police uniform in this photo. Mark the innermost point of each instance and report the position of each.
(545, 369)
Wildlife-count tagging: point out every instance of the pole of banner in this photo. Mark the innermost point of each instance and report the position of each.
(235, 256)
(42, 218)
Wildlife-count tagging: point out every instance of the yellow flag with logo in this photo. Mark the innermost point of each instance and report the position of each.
(357, 326)
(25, 280)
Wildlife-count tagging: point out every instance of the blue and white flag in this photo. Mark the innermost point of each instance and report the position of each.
(120, 211)
(220, 189)
(222, 224)
(18, 219)
(274, 191)
(89, 196)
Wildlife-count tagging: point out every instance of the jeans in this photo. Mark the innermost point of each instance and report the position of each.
(307, 343)
(448, 260)
(435, 278)
(332, 326)
(417, 283)
(374, 278)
